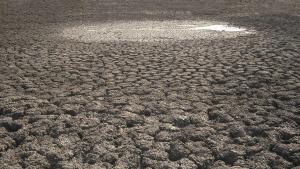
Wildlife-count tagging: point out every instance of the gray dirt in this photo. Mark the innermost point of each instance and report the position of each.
(224, 103)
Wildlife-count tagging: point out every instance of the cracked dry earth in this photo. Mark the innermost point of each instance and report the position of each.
(224, 103)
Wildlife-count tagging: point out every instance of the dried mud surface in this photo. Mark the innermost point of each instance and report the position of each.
(206, 103)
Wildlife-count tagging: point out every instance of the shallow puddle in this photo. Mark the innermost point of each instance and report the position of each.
(152, 31)
(225, 28)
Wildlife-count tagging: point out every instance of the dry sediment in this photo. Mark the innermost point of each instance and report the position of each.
(186, 104)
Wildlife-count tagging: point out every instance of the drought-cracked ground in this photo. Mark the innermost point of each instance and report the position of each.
(207, 103)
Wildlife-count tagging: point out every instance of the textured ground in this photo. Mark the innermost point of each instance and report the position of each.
(182, 104)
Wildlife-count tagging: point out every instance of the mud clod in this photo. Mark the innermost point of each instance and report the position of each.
(11, 126)
(177, 151)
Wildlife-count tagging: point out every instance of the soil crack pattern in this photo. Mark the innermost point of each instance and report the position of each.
(225, 100)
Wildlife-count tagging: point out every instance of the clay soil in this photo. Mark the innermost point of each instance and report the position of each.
(221, 103)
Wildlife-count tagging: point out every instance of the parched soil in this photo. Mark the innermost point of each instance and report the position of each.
(222, 103)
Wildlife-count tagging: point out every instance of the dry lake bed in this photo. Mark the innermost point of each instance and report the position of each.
(155, 84)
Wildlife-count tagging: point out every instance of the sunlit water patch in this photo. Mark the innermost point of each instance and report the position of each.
(152, 31)
(225, 28)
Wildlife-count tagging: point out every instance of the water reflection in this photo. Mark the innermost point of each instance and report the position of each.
(152, 31)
